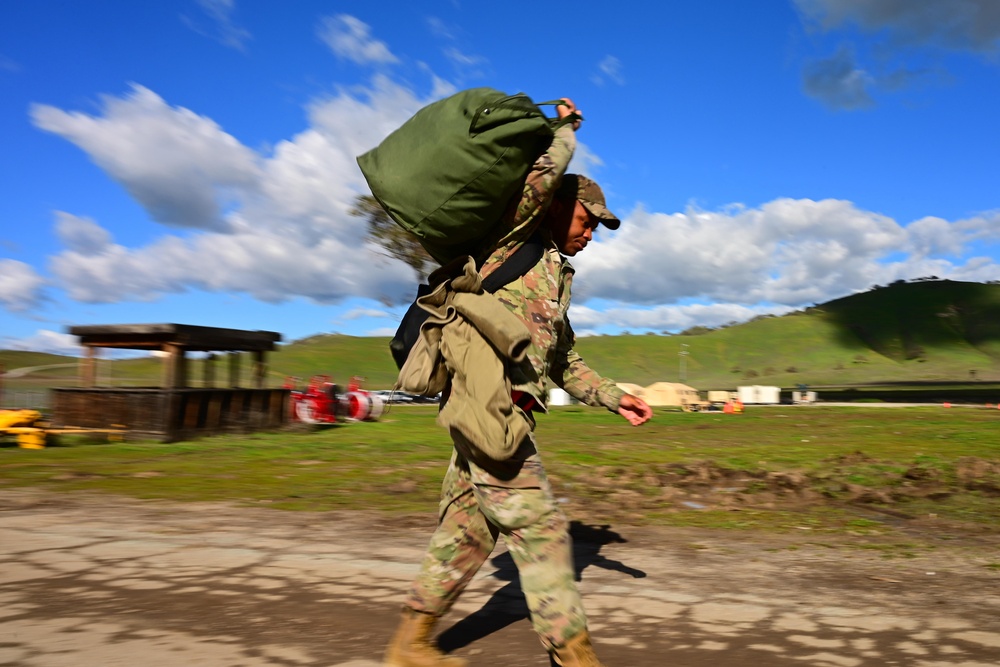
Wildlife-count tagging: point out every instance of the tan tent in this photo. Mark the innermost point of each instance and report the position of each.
(670, 393)
(633, 389)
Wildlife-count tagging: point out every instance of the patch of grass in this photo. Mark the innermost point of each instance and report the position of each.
(396, 465)
(892, 549)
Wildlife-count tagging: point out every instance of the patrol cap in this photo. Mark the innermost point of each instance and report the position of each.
(589, 194)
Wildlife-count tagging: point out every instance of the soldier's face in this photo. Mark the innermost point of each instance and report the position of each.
(572, 227)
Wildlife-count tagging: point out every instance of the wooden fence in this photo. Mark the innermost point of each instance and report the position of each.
(169, 415)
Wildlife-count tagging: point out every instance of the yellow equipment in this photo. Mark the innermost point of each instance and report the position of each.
(31, 430)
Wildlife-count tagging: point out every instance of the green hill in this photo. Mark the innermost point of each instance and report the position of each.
(919, 331)
(11, 359)
(935, 330)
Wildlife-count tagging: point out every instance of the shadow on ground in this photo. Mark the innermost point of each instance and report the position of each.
(507, 605)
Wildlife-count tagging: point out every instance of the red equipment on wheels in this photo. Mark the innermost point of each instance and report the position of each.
(323, 402)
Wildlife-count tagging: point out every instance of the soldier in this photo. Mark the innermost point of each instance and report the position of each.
(481, 498)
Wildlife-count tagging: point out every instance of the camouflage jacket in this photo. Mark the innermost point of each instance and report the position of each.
(541, 297)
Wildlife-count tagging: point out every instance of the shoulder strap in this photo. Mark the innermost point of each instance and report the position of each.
(516, 266)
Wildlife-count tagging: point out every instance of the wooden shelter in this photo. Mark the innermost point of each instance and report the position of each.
(175, 410)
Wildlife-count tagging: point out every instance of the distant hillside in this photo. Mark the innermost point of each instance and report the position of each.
(11, 359)
(936, 330)
(340, 357)
(924, 321)
(920, 331)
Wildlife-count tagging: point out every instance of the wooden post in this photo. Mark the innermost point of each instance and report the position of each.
(209, 371)
(234, 369)
(174, 367)
(88, 367)
(259, 368)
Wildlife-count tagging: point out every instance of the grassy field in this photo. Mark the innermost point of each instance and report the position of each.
(777, 468)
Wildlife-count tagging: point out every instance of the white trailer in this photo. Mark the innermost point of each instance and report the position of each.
(803, 397)
(759, 394)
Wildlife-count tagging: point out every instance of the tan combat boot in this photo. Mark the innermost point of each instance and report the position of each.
(577, 652)
(412, 645)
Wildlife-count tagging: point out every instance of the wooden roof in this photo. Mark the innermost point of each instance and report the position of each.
(185, 336)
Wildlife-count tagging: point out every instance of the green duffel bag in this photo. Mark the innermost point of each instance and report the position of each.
(448, 173)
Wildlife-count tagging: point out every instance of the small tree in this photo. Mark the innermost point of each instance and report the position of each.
(395, 241)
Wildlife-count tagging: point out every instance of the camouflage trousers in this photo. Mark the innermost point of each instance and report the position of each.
(514, 499)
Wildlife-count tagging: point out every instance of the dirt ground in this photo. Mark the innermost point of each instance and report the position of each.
(100, 581)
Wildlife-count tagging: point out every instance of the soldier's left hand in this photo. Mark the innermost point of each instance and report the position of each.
(568, 107)
(634, 409)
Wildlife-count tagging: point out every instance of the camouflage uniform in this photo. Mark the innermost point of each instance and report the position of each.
(481, 499)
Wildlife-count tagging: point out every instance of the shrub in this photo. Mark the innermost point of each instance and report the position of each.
(696, 331)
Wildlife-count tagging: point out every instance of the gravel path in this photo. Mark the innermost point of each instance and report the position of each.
(99, 581)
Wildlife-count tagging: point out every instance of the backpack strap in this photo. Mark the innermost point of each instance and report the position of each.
(516, 266)
(556, 124)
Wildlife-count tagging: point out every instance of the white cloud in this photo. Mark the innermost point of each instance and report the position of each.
(787, 252)
(222, 28)
(289, 234)
(904, 44)
(985, 226)
(350, 38)
(268, 264)
(20, 286)
(667, 318)
(466, 65)
(933, 236)
(359, 313)
(81, 235)
(180, 166)
(609, 69)
(44, 340)
(976, 269)
(440, 29)
(8, 65)
(463, 60)
(838, 82)
(972, 25)
(585, 161)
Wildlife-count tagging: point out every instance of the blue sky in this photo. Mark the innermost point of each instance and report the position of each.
(193, 161)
